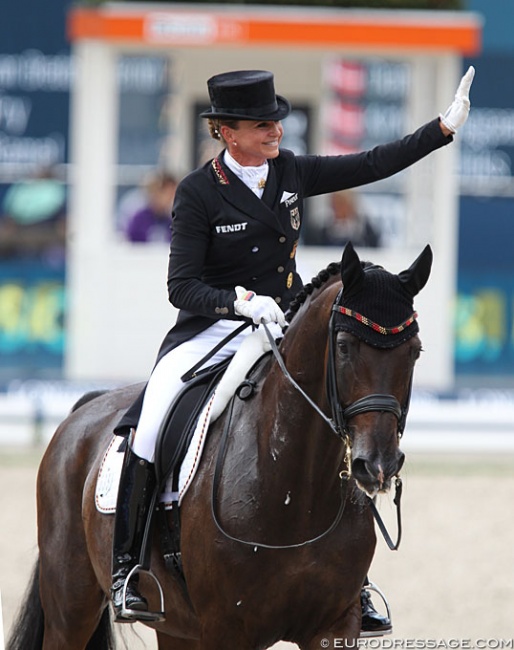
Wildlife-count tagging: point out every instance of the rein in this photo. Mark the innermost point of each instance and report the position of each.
(393, 546)
(192, 371)
(344, 475)
(339, 425)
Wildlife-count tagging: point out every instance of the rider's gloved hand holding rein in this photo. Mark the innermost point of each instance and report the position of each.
(457, 113)
(259, 309)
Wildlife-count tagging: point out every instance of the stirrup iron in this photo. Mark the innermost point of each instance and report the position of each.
(137, 614)
(371, 586)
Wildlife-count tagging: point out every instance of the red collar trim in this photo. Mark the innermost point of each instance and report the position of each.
(219, 172)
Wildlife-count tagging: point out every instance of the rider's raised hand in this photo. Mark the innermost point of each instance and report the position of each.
(457, 113)
(260, 309)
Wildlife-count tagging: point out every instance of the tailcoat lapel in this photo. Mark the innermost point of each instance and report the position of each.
(243, 199)
(270, 194)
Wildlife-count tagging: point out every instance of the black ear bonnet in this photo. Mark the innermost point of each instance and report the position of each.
(377, 306)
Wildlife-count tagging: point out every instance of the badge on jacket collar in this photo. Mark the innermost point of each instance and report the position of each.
(295, 218)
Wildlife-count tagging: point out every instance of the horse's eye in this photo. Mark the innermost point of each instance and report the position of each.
(342, 346)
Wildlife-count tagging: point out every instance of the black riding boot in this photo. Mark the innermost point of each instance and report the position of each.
(373, 623)
(137, 484)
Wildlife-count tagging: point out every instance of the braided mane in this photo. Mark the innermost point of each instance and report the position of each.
(334, 268)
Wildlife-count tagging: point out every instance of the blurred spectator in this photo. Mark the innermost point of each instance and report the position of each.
(346, 223)
(152, 222)
(33, 220)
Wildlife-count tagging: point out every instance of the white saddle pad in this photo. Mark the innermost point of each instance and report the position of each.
(110, 470)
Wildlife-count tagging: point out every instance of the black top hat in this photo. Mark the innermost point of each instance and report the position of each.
(245, 95)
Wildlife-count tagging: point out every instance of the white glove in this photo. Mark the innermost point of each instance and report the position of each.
(457, 114)
(260, 309)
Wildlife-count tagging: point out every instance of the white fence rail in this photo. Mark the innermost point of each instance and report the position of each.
(477, 422)
(31, 411)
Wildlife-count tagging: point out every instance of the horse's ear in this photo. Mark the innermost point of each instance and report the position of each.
(352, 273)
(416, 276)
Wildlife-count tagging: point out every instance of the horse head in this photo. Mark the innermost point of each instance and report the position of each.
(374, 345)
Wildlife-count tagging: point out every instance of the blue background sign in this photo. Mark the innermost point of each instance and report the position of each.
(32, 308)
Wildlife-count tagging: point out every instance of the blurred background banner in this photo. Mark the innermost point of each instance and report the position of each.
(36, 75)
(484, 333)
(32, 305)
(366, 102)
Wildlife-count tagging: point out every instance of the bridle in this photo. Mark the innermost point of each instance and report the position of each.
(341, 415)
(338, 423)
(373, 402)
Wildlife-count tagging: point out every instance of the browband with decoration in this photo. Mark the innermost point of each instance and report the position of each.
(378, 328)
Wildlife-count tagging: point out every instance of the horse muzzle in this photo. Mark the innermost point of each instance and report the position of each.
(374, 475)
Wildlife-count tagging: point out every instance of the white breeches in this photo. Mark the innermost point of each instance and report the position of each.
(165, 383)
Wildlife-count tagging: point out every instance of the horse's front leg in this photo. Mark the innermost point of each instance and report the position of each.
(343, 633)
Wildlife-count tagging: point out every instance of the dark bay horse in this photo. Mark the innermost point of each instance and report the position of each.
(293, 476)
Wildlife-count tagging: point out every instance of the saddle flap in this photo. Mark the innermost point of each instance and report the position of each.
(178, 426)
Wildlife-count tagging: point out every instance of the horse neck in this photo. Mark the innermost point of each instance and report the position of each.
(297, 436)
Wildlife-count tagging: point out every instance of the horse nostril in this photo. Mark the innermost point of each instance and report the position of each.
(369, 473)
(362, 469)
